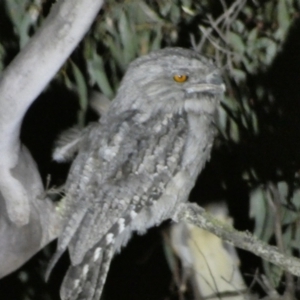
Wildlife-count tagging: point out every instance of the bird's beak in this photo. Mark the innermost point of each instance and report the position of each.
(206, 87)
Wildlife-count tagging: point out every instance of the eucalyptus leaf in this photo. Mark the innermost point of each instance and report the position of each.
(252, 37)
(2, 55)
(175, 13)
(255, 124)
(82, 93)
(236, 42)
(128, 38)
(234, 131)
(114, 48)
(20, 17)
(260, 212)
(222, 120)
(165, 7)
(238, 75)
(25, 24)
(283, 18)
(67, 81)
(275, 274)
(296, 199)
(151, 15)
(156, 43)
(95, 67)
(295, 242)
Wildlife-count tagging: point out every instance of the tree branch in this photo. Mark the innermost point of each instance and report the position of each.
(194, 214)
(26, 222)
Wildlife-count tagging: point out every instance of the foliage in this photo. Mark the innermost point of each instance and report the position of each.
(259, 124)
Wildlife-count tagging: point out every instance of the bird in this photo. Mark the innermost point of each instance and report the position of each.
(137, 164)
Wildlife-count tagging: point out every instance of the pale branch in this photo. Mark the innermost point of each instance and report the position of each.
(196, 215)
(26, 77)
(27, 223)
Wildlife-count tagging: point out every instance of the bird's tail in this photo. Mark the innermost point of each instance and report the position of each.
(85, 281)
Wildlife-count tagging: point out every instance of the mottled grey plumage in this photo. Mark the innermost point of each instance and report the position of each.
(137, 163)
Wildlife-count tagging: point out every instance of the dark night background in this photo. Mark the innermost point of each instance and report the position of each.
(141, 270)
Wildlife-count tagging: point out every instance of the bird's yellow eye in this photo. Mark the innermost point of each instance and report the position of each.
(180, 78)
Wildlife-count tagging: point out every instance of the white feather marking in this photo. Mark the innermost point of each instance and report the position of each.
(67, 144)
(109, 238)
(121, 224)
(85, 270)
(165, 122)
(172, 159)
(60, 154)
(136, 198)
(157, 128)
(133, 214)
(161, 185)
(76, 283)
(97, 254)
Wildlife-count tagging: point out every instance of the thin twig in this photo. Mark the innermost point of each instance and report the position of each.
(194, 214)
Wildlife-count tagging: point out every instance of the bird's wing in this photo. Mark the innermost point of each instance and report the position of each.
(115, 175)
(140, 167)
(86, 280)
(144, 169)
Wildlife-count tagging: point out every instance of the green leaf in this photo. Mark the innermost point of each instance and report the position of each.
(260, 212)
(165, 7)
(128, 38)
(283, 18)
(236, 42)
(149, 15)
(25, 24)
(275, 274)
(156, 43)
(116, 51)
(95, 67)
(268, 49)
(234, 131)
(175, 13)
(82, 93)
(252, 37)
(2, 55)
(22, 14)
(238, 26)
(67, 81)
(222, 120)
(238, 75)
(296, 199)
(249, 64)
(295, 243)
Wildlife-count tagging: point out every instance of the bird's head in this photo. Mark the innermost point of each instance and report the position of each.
(169, 80)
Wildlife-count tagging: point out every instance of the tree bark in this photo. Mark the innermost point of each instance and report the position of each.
(27, 222)
(196, 215)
